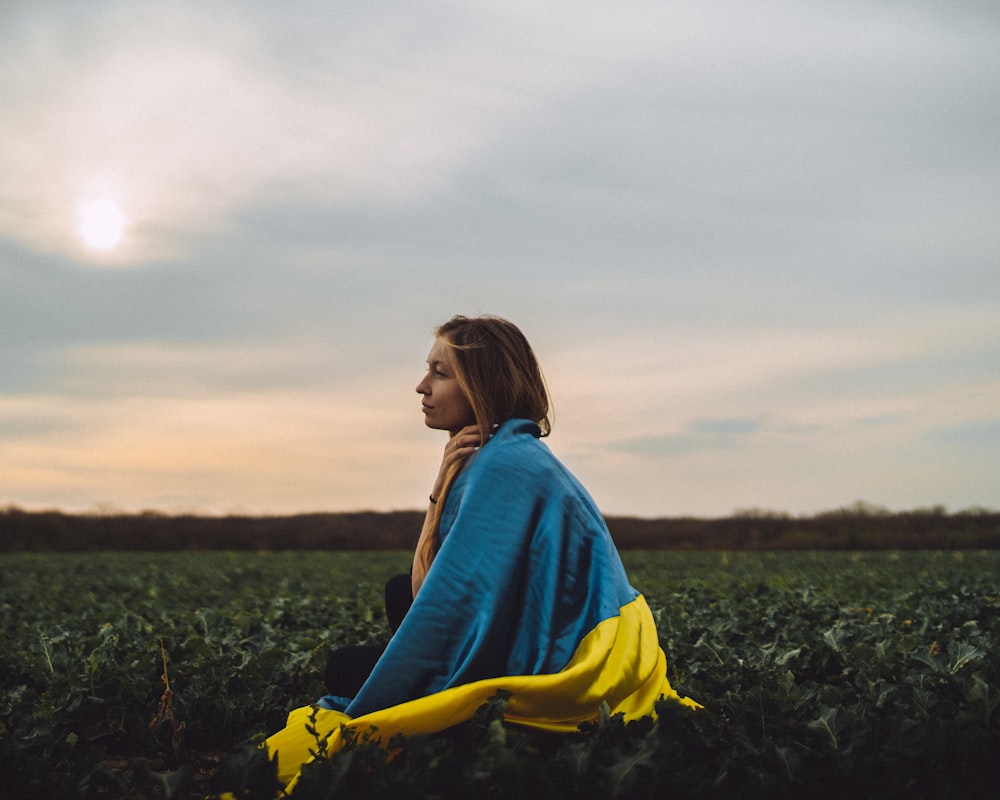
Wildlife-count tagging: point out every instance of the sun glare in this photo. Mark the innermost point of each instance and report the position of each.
(102, 224)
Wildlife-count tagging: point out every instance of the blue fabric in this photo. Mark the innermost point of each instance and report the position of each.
(526, 569)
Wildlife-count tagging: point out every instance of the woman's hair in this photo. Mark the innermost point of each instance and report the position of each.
(499, 375)
(497, 370)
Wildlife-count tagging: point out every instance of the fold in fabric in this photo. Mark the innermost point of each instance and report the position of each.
(526, 568)
(620, 662)
(527, 594)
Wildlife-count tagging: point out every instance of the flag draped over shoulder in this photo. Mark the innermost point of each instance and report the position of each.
(527, 595)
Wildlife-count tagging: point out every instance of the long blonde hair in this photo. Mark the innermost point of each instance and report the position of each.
(498, 373)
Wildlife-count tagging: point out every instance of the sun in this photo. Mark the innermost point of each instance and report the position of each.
(102, 224)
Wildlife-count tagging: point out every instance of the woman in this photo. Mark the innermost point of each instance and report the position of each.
(516, 583)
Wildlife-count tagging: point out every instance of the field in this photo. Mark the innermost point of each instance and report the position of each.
(823, 675)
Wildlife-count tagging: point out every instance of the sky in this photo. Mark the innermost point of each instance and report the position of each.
(755, 246)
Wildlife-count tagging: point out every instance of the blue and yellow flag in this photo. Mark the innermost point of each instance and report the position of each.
(527, 594)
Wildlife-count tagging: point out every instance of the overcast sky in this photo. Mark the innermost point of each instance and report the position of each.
(756, 247)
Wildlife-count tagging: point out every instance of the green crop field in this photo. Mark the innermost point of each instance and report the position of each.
(823, 675)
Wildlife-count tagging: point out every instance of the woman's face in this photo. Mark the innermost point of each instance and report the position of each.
(445, 406)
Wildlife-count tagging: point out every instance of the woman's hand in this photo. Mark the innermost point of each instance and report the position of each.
(459, 447)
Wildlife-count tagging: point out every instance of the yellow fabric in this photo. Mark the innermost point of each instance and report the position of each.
(619, 662)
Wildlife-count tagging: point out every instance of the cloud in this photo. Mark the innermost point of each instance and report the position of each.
(984, 433)
(699, 435)
(754, 247)
(274, 450)
(185, 123)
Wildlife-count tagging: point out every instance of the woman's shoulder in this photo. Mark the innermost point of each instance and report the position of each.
(516, 455)
(516, 475)
(514, 444)
(515, 430)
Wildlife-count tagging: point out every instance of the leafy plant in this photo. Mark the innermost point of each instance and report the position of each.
(823, 675)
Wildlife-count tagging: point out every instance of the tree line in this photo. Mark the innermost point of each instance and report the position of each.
(861, 526)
